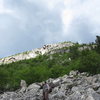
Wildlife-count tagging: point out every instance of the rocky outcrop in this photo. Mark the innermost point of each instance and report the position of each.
(46, 49)
(51, 49)
(75, 86)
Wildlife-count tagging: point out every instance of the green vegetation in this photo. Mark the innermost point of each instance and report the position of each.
(50, 66)
(98, 44)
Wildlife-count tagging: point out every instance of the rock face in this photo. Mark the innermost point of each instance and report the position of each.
(51, 48)
(75, 86)
(46, 49)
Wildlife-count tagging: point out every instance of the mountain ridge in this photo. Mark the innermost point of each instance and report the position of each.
(35, 52)
(46, 49)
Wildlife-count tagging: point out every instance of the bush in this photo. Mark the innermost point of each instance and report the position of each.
(74, 52)
(90, 62)
(43, 67)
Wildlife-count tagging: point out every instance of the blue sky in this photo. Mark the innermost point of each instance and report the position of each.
(29, 24)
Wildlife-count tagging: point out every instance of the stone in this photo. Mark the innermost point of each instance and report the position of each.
(33, 87)
(82, 87)
(23, 86)
(73, 73)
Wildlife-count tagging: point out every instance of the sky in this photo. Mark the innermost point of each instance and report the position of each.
(30, 24)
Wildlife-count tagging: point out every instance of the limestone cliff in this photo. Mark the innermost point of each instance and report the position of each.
(51, 48)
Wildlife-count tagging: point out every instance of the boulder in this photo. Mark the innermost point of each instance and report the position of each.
(23, 86)
(79, 87)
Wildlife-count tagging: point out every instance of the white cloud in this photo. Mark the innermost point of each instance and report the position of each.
(67, 18)
(86, 10)
(3, 9)
(32, 23)
(51, 5)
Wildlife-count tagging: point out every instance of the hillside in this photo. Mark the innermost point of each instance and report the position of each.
(58, 60)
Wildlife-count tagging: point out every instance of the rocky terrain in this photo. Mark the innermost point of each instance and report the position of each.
(75, 86)
(51, 48)
(46, 49)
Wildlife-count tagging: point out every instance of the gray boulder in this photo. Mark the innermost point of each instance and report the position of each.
(75, 86)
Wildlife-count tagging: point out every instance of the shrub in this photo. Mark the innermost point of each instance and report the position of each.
(42, 67)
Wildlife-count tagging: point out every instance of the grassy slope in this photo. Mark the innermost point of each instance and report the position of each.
(48, 66)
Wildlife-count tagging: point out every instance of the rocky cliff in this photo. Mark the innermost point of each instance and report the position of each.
(75, 86)
(51, 48)
(46, 49)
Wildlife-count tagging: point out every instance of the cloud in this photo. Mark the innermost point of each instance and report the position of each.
(81, 20)
(29, 24)
(3, 9)
(51, 5)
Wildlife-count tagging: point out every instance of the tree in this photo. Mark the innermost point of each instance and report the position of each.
(74, 52)
(90, 62)
(97, 40)
(98, 43)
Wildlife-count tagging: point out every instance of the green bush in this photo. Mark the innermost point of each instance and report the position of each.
(90, 62)
(43, 67)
